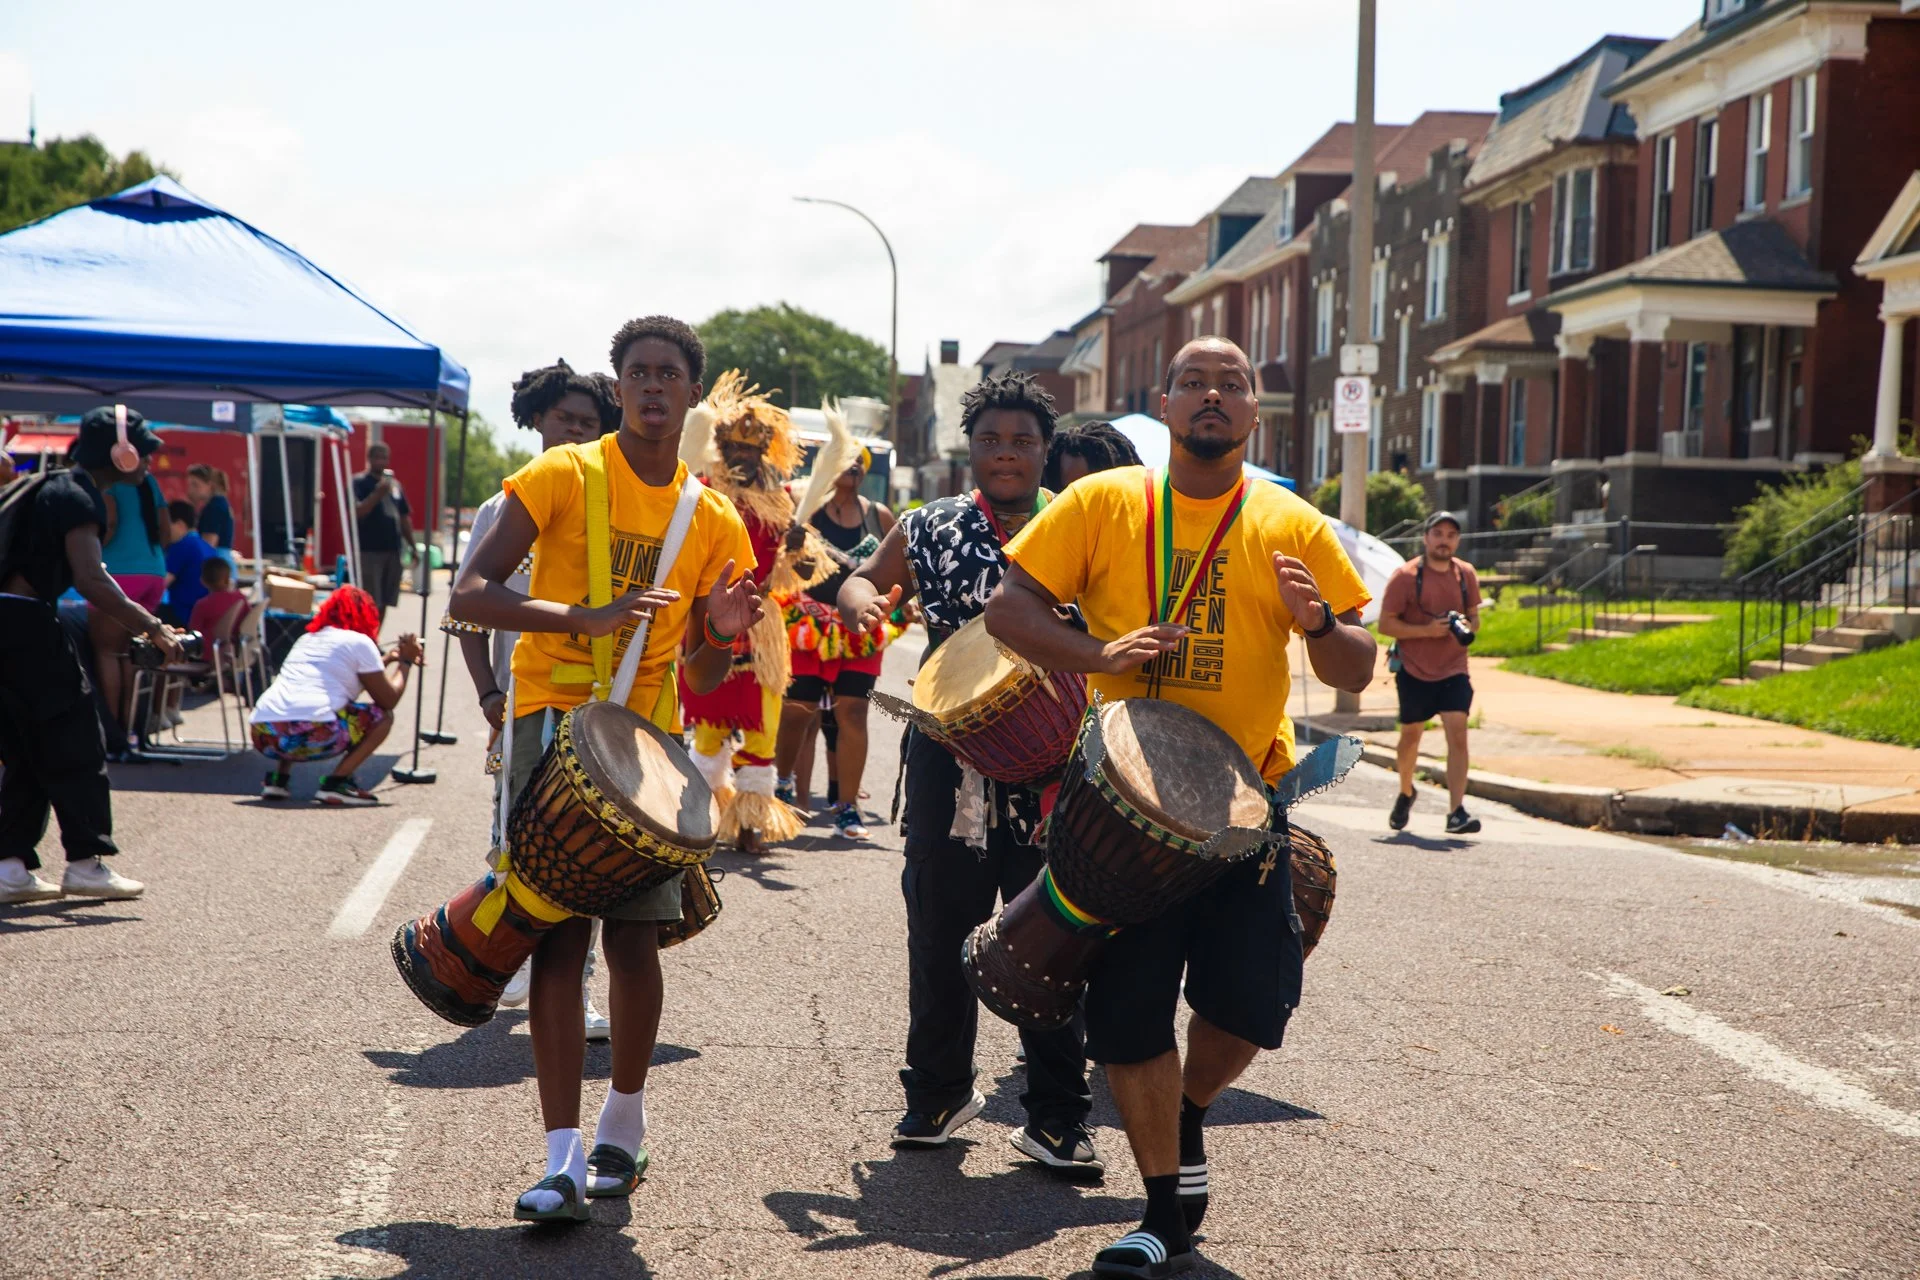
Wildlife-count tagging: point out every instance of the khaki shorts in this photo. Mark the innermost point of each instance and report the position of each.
(659, 903)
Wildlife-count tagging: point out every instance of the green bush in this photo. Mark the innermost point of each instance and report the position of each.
(1391, 499)
(1774, 520)
(1531, 511)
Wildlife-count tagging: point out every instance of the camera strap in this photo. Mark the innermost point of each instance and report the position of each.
(1420, 585)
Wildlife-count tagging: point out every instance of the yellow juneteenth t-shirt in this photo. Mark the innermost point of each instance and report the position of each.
(1091, 545)
(553, 490)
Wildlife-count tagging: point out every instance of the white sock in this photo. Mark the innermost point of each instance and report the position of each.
(564, 1155)
(623, 1121)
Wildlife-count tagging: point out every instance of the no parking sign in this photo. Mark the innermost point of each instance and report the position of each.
(1352, 405)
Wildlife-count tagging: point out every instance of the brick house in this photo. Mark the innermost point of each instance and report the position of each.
(1041, 359)
(1428, 290)
(1253, 293)
(1774, 135)
(1140, 328)
(1555, 180)
(938, 451)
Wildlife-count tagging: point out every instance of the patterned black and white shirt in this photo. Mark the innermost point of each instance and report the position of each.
(955, 558)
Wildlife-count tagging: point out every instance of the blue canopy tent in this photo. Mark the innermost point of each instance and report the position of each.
(159, 300)
(1152, 441)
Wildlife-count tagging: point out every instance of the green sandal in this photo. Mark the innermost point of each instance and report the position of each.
(612, 1172)
(570, 1209)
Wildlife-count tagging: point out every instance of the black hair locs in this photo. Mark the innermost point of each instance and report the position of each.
(1101, 445)
(667, 329)
(538, 390)
(1016, 390)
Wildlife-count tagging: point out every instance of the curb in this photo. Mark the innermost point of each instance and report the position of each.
(1575, 806)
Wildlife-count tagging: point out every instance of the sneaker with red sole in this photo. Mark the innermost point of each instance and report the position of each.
(343, 791)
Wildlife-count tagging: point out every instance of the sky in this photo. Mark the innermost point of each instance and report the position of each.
(515, 180)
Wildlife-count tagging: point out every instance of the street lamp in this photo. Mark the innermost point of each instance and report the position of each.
(893, 339)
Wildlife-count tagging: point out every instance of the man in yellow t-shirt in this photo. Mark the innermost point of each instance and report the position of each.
(1237, 568)
(706, 600)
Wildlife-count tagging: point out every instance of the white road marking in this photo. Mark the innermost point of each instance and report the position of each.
(364, 1203)
(364, 903)
(1762, 1059)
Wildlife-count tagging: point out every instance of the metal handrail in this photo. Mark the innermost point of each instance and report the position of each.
(1850, 499)
(1553, 583)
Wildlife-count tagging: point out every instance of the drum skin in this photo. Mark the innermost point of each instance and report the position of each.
(456, 970)
(1008, 722)
(615, 808)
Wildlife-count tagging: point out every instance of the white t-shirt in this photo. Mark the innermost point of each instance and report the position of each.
(320, 676)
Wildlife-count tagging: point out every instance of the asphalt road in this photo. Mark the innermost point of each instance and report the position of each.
(1485, 1078)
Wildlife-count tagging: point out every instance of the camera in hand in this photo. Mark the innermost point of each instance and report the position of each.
(146, 655)
(1457, 623)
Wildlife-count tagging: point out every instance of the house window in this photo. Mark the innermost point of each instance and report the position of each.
(1286, 319)
(1663, 153)
(1517, 423)
(1196, 319)
(1718, 9)
(1322, 444)
(1219, 315)
(1430, 428)
(1573, 222)
(1437, 277)
(1283, 229)
(1800, 144)
(1257, 325)
(1373, 436)
(1406, 334)
(1377, 317)
(1696, 423)
(1125, 383)
(1159, 360)
(1759, 143)
(1323, 320)
(1706, 168)
(1522, 249)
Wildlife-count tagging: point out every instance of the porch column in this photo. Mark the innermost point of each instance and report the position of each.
(1492, 379)
(1644, 371)
(1572, 410)
(1886, 417)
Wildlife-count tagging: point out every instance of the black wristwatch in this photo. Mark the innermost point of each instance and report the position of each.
(1327, 622)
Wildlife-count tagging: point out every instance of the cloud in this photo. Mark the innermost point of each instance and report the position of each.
(16, 95)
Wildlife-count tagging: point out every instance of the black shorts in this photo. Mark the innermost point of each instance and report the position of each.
(1238, 945)
(1422, 700)
(848, 684)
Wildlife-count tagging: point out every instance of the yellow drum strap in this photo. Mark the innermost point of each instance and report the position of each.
(599, 574)
(494, 905)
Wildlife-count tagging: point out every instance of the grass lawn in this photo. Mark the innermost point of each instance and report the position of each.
(1871, 696)
(1509, 631)
(1669, 661)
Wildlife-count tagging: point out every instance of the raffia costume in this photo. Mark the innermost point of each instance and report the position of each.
(748, 700)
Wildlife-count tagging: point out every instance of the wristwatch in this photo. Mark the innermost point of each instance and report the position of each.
(1326, 623)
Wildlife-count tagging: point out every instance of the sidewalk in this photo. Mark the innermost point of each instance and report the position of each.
(1638, 763)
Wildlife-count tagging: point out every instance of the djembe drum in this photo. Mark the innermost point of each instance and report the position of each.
(615, 808)
(1156, 803)
(1000, 715)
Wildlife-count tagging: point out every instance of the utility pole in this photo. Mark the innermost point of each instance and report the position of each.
(1354, 444)
(893, 336)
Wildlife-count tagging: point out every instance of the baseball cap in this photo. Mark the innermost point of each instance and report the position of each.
(1439, 516)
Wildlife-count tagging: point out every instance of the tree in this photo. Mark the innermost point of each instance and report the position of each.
(801, 356)
(37, 181)
(1391, 499)
(487, 462)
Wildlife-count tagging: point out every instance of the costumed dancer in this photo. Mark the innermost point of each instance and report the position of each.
(1252, 563)
(565, 408)
(831, 659)
(949, 552)
(659, 362)
(743, 444)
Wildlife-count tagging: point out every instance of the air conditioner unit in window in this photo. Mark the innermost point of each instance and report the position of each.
(1680, 444)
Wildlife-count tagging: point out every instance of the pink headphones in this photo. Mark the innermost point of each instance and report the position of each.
(125, 456)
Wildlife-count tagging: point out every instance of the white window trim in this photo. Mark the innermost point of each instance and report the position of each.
(1803, 104)
(1377, 302)
(1439, 272)
(1323, 319)
(1522, 244)
(1322, 445)
(1666, 152)
(1196, 319)
(1517, 417)
(1406, 341)
(1759, 151)
(1706, 165)
(1375, 430)
(1430, 416)
(1286, 319)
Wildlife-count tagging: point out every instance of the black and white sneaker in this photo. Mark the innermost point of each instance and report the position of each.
(932, 1128)
(1462, 823)
(1402, 809)
(276, 787)
(1067, 1148)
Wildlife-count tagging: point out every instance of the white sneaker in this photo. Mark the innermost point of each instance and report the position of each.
(516, 993)
(92, 878)
(598, 1028)
(17, 884)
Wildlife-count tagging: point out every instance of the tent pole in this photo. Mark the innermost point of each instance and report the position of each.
(286, 491)
(319, 481)
(423, 574)
(253, 514)
(352, 531)
(343, 494)
(440, 736)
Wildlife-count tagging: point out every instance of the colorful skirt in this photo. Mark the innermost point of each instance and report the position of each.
(301, 741)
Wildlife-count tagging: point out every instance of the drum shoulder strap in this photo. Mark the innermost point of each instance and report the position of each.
(599, 556)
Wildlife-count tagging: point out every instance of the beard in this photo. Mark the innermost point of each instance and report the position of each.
(1208, 448)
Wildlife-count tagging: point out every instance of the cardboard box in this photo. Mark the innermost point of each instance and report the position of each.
(289, 595)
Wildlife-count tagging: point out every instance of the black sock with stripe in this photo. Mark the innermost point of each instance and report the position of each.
(1193, 1163)
(1162, 1223)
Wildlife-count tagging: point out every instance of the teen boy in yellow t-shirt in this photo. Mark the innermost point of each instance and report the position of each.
(707, 595)
(1190, 580)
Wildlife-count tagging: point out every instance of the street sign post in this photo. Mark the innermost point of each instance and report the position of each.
(1352, 405)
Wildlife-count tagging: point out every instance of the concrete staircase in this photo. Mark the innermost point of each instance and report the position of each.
(1862, 632)
(1618, 626)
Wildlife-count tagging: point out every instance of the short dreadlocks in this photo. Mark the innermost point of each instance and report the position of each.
(667, 329)
(1101, 445)
(538, 390)
(1015, 390)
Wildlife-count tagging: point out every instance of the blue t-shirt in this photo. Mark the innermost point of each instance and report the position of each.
(130, 551)
(216, 518)
(184, 559)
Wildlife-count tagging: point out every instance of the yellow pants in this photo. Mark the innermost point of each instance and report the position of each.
(758, 748)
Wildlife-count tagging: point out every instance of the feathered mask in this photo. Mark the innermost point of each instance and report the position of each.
(736, 413)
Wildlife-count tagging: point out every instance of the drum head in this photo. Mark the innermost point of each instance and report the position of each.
(966, 669)
(1180, 768)
(645, 773)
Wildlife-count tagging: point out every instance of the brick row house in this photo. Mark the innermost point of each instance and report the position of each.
(1426, 289)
